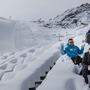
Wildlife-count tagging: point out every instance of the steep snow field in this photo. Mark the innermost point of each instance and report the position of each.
(19, 35)
(20, 70)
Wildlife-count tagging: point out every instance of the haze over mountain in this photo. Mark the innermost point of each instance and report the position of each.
(33, 9)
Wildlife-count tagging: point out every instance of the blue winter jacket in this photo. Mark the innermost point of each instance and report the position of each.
(71, 50)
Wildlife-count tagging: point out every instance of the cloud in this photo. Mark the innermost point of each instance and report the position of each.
(36, 8)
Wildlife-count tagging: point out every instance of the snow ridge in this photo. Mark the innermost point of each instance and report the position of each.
(72, 18)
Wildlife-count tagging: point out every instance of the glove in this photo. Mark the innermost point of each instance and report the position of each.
(83, 46)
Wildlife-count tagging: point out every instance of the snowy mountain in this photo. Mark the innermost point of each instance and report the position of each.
(34, 52)
(75, 17)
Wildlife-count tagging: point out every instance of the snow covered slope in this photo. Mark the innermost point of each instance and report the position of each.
(63, 77)
(18, 35)
(22, 69)
(72, 18)
(6, 34)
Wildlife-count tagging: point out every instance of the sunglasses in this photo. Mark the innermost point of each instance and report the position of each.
(71, 42)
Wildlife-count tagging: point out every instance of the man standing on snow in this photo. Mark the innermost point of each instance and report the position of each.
(72, 51)
(86, 65)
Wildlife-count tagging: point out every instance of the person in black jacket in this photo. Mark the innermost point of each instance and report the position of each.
(88, 37)
(86, 65)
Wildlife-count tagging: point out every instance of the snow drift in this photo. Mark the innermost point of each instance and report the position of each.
(26, 74)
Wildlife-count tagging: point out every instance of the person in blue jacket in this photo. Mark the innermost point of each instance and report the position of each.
(73, 51)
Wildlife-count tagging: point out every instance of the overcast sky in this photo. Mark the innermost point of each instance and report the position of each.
(33, 9)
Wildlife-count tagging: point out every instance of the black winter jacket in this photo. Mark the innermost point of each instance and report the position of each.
(86, 59)
(88, 37)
